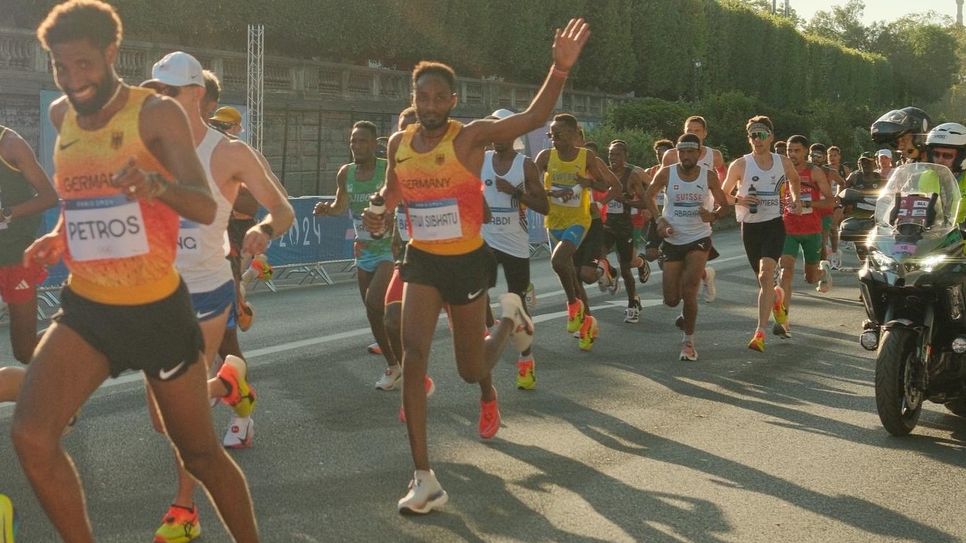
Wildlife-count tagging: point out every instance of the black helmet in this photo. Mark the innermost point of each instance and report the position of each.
(908, 120)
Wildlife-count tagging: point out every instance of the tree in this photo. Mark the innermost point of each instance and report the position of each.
(843, 24)
(923, 57)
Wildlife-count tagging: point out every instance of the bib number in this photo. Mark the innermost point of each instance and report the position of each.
(435, 220)
(570, 195)
(504, 220)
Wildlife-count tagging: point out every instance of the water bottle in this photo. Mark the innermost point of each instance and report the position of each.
(752, 193)
(377, 206)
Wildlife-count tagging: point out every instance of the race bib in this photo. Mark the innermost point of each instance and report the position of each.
(504, 220)
(361, 233)
(401, 225)
(571, 195)
(615, 207)
(661, 199)
(104, 228)
(806, 198)
(435, 220)
(189, 238)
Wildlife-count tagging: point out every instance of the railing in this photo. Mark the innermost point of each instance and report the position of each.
(20, 52)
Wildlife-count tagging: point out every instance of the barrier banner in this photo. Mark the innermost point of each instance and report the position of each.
(312, 239)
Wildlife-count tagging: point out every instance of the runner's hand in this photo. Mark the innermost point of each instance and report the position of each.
(706, 216)
(256, 241)
(504, 186)
(134, 182)
(322, 209)
(45, 250)
(375, 224)
(567, 43)
(585, 181)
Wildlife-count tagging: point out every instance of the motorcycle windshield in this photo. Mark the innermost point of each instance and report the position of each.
(916, 211)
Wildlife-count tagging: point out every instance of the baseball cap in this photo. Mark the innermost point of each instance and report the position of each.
(227, 115)
(884, 152)
(178, 69)
(500, 114)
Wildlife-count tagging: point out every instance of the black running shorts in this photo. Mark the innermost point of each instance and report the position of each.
(677, 253)
(460, 279)
(619, 233)
(763, 240)
(589, 250)
(161, 338)
(516, 271)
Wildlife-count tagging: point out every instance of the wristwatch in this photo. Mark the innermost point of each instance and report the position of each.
(5, 214)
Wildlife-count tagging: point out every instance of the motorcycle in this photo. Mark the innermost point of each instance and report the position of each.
(913, 285)
(860, 220)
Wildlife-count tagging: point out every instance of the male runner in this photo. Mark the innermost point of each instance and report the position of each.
(570, 172)
(25, 192)
(652, 241)
(354, 184)
(511, 183)
(201, 262)
(126, 169)
(781, 148)
(434, 168)
(619, 227)
(760, 177)
(803, 232)
(818, 156)
(685, 225)
(711, 159)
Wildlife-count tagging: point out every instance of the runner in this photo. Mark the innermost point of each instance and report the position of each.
(25, 192)
(652, 245)
(836, 165)
(566, 168)
(685, 225)
(201, 262)
(712, 160)
(760, 177)
(511, 184)
(125, 168)
(433, 168)
(803, 232)
(354, 184)
(818, 156)
(883, 159)
(781, 148)
(619, 227)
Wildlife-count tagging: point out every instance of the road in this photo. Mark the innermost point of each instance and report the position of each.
(624, 443)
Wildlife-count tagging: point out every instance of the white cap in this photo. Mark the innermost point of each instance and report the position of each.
(884, 152)
(178, 69)
(500, 114)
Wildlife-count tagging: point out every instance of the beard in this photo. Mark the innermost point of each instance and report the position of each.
(101, 96)
(433, 124)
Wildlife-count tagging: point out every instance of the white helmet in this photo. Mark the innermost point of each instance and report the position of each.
(952, 135)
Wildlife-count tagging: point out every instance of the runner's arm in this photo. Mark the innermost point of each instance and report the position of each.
(533, 196)
(828, 199)
(602, 178)
(719, 166)
(389, 191)
(268, 170)
(249, 170)
(17, 152)
(735, 172)
(722, 207)
(655, 188)
(164, 128)
(670, 157)
(794, 182)
(337, 207)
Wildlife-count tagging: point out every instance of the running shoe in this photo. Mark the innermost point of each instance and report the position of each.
(245, 315)
(240, 433)
(179, 525)
(522, 334)
(632, 314)
(425, 494)
(530, 297)
(588, 333)
(615, 285)
(489, 419)
(757, 342)
(390, 378)
(710, 290)
(679, 322)
(430, 387)
(779, 310)
(526, 377)
(781, 330)
(825, 283)
(687, 351)
(644, 270)
(241, 395)
(575, 315)
(8, 520)
(374, 348)
(606, 279)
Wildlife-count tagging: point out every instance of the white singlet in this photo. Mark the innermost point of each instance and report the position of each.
(507, 230)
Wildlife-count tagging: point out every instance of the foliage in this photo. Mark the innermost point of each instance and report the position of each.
(639, 143)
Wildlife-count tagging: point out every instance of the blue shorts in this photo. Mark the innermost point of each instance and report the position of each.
(368, 261)
(211, 304)
(574, 234)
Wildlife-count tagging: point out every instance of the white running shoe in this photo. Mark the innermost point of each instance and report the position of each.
(606, 280)
(390, 378)
(835, 260)
(374, 348)
(241, 432)
(425, 494)
(632, 315)
(687, 351)
(710, 289)
(522, 334)
(825, 283)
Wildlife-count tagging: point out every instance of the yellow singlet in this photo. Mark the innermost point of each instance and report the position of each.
(562, 175)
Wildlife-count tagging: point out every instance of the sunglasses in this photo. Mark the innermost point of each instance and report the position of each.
(759, 135)
(947, 155)
(817, 155)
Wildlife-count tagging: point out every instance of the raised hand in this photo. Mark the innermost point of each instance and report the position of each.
(568, 43)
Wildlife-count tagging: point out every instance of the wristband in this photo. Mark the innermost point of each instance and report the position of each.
(557, 72)
(158, 185)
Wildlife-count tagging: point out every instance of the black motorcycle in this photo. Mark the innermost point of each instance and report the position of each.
(860, 217)
(913, 285)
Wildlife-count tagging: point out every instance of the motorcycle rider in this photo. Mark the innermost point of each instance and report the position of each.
(946, 145)
(905, 129)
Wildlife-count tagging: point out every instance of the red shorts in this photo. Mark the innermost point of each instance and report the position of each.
(394, 291)
(19, 284)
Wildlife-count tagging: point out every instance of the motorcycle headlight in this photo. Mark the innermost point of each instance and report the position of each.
(930, 262)
(884, 263)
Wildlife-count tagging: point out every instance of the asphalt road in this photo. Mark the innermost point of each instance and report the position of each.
(624, 443)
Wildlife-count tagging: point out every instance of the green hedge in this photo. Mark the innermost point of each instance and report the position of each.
(648, 47)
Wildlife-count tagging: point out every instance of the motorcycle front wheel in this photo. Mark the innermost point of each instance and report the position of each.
(896, 353)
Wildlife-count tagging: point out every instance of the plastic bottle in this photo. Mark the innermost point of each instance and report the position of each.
(377, 206)
(752, 193)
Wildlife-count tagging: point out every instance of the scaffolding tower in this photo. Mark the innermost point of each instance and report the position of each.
(256, 83)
